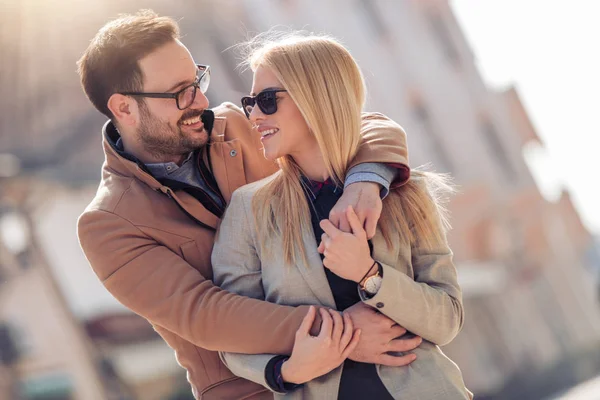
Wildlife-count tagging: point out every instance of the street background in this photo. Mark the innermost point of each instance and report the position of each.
(523, 221)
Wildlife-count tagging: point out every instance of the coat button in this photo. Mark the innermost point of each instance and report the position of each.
(233, 153)
(379, 305)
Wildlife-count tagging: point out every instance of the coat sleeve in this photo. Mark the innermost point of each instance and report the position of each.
(162, 287)
(383, 141)
(430, 305)
(237, 268)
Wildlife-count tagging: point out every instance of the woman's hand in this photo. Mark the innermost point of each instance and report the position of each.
(346, 254)
(314, 356)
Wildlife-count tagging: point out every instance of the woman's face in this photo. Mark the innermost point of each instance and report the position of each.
(284, 132)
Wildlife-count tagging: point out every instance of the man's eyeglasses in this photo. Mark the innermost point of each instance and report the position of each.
(265, 100)
(186, 96)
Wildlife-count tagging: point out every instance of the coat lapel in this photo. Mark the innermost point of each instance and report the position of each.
(314, 272)
(196, 209)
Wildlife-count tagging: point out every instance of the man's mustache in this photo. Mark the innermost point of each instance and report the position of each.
(190, 114)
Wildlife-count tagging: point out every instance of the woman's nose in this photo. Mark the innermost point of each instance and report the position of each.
(256, 114)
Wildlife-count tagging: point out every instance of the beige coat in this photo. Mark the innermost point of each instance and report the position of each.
(150, 246)
(419, 291)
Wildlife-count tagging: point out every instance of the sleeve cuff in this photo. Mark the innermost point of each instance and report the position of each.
(369, 177)
(364, 296)
(387, 290)
(273, 375)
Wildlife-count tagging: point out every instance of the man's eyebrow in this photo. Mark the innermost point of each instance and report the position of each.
(269, 88)
(178, 85)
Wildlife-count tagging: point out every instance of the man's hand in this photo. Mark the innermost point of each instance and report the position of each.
(378, 336)
(364, 197)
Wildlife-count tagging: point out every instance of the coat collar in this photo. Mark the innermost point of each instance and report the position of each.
(122, 163)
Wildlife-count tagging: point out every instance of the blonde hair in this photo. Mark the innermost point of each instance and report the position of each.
(325, 82)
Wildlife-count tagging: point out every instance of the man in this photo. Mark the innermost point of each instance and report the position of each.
(171, 167)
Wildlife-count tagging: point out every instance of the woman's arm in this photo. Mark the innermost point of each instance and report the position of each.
(430, 305)
(237, 267)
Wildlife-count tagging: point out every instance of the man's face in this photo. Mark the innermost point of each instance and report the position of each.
(163, 130)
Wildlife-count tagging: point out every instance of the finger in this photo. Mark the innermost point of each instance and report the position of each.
(352, 345)
(396, 331)
(348, 331)
(321, 248)
(344, 225)
(370, 223)
(329, 229)
(404, 344)
(326, 325)
(355, 223)
(325, 239)
(326, 262)
(307, 322)
(338, 325)
(393, 361)
(334, 217)
(386, 322)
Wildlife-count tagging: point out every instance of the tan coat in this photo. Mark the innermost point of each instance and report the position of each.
(151, 247)
(419, 291)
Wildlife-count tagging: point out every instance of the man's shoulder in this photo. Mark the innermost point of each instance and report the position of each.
(116, 194)
(230, 111)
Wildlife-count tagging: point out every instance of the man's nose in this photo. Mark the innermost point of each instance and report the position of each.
(201, 101)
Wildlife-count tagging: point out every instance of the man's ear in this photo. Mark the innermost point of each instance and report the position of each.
(124, 109)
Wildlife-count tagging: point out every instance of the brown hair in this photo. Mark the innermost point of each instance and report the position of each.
(109, 65)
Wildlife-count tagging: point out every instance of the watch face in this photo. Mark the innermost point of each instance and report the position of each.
(373, 284)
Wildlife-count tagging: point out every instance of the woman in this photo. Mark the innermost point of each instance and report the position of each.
(309, 95)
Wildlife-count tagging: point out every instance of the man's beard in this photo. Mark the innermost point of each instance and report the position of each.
(162, 140)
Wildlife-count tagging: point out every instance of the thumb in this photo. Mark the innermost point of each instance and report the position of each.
(307, 322)
(355, 224)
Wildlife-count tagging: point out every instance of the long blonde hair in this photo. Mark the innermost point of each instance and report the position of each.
(325, 82)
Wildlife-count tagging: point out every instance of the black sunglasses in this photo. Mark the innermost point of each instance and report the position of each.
(266, 101)
(186, 96)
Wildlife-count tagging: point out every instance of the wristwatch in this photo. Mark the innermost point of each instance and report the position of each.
(373, 283)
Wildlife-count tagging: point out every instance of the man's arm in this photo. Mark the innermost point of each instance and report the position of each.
(380, 164)
(159, 285)
(383, 142)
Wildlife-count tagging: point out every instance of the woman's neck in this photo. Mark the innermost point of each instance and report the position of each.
(312, 165)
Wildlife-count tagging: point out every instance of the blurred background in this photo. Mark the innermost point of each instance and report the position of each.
(497, 93)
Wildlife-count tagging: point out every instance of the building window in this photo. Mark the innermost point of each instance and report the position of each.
(442, 161)
(494, 144)
(444, 38)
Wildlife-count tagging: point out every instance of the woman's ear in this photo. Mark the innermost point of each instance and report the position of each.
(124, 109)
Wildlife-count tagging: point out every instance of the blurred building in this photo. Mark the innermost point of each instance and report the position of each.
(528, 267)
(45, 354)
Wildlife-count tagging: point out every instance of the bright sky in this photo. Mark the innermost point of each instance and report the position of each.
(550, 50)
